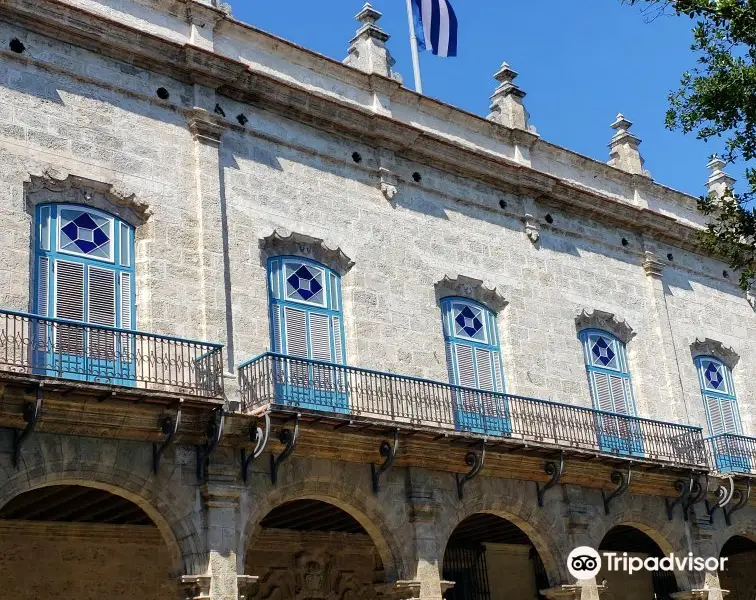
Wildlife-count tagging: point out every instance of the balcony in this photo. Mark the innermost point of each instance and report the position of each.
(732, 454)
(41, 347)
(354, 394)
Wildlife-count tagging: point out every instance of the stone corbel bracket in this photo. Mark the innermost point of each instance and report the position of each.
(389, 180)
(598, 319)
(195, 587)
(109, 197)
(709, 347)
(467, 287)
(305, 246)
(531, 222)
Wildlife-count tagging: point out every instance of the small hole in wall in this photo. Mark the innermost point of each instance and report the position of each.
(625, 242)
(16, 46)
(549, 219)
(417, 177)
(162, 93)
(670, 258)
(242, 119)
(219, 111)
(502, 204)
(357, 157)
(725, 274)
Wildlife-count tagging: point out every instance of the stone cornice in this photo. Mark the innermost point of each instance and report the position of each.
(598, 319)
(467, 287)
(237, 80)
(709, 347)
(299, 244)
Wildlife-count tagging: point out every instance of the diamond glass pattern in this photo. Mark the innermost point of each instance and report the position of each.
(714, 376)
(602, 350)
(85, 233)
(469, 321)
(305, 284)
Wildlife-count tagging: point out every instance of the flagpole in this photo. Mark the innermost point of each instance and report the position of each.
(415, 53)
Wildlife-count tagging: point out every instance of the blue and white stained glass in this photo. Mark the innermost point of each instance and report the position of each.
(714, 376)
(86, 233)
(304, 283)
(469, 322)
(603, 352)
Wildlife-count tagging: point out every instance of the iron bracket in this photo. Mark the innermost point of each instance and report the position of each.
(475, 462)
(169, 427)
(388, 452)
(32, 412)
(553, 469)
(742, 500)
(697, 494)
(724, 496)
(684, 488)
(259, 437)
(214, 433)
(622, 482)
(289, 439)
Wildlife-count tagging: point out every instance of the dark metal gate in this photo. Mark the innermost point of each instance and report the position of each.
(664, 584)
(466, 567)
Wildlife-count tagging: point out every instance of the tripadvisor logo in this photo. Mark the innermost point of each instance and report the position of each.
(584, 563)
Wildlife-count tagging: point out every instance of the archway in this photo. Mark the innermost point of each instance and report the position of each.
(84, 541)
(310, 548)
(490, 558)
(642, 584)
(737, 575)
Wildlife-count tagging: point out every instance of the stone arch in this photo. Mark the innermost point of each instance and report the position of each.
(363, 507)
(133, 484)
(533, 524)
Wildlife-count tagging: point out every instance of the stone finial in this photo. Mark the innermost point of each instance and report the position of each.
(719, 182)
(507, 107)
(623, 149)
(367, 50)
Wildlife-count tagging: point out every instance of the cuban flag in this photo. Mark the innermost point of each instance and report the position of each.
(435, 26)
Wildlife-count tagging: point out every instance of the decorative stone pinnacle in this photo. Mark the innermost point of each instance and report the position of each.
(623, 148)
(506, 103)
(368, 15)
(719, 182)
(367, 50)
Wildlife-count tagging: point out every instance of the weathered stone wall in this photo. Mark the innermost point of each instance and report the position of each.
(85, 561)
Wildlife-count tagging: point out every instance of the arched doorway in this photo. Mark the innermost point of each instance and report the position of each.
(643, 584)
(308, 548)
(81, 542)
(490, 558)
(738, 575)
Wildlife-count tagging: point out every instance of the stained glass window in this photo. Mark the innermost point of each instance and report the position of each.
(718, 394)
(304, 283)
(85, 233)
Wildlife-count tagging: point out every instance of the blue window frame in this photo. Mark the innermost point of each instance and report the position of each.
(611, 391)
(306, 322)
(722, 416)
(84, 271)
(474, 360)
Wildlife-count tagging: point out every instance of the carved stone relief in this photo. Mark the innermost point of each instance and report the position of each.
(598, 319)
(299, 244)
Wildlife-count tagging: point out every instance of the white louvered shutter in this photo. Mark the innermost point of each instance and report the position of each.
(320, 349)
(729, 416)
(620, 394)
(69, 304)
(101, 310)
(602, 390)
(295, 320)
(466, 375)
(277, 329)
(715, 415)
(337, 345)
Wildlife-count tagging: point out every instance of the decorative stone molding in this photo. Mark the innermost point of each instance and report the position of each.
(709, 347)
(719, 182)
(386, 172)
(652, 265)
(367, 50)
(299, 244)
(399, 590)
(467, 287)
(598, 319)
(206, 127)
(195, 587)
(108, 197)
(532, 228)
(624, 148)
(248, 586)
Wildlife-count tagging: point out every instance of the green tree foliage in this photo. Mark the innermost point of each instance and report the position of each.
(717, 99)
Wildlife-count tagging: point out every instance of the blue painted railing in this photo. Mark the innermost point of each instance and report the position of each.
(321, 387)
(43, 346)
(731, 453)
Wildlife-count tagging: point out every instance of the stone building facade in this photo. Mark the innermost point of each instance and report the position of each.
(165, 173)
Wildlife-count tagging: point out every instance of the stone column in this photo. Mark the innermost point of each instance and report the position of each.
(221, 503)
(424, 517)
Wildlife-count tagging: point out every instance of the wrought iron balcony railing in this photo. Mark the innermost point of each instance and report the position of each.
(34, 345)
(308, 385)
(731, 453)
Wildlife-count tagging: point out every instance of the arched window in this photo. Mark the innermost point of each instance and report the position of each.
(474, 361)
(306, 323)
(83, 271)
(611, 390)
(719, 396)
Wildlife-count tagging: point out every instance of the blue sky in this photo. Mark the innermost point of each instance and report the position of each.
(580, 63)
